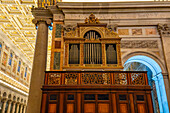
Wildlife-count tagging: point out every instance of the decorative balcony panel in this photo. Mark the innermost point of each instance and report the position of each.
(96, 78)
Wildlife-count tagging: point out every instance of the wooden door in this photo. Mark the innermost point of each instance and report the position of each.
(96, 103)
(140, 100)
(123, 103)
(52, 103)
(70, 103)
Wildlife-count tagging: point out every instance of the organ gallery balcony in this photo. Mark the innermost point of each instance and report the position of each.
(96, 78)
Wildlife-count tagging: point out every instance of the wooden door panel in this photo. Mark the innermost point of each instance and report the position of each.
(103, 108)
(70, 108)
(141, 108)
(123, 108)
(52, 108)
(89, 108)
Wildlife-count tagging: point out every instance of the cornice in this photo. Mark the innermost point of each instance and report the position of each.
(41, 13)
(113, 7)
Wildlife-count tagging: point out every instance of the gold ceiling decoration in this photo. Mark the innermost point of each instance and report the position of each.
(16, 23)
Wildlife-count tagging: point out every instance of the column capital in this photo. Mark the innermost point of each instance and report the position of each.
(37, 21)
(164, 30)
(4, 99)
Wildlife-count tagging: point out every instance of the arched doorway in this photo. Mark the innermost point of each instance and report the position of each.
(155, 78)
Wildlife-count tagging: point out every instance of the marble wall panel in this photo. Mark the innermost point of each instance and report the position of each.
(151, 31)
(136, 31)
(123, 31)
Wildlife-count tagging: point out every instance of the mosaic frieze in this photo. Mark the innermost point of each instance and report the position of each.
(139, 44)
(71, 78)
(58, 31)
(151, 31)
(137, 79)
(56, 60)
(95, 78)
(121, 78)
(123, 31)
(54, 78)
(136, 31)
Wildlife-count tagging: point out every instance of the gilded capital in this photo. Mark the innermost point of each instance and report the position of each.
(37, 21)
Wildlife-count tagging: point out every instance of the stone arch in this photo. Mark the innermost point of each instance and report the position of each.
(10, 96)
(151, 55)
(18, 99)
(4, 95)
(14, 98)
(157, 76)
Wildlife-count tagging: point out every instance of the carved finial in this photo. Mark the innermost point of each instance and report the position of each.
(97, 20)
(92, 19)
(86, 20)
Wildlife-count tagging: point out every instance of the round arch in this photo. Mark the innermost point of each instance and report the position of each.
(92, 28)
(157, 77)
(151, 55)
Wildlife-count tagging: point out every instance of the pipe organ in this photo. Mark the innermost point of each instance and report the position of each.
(92, 53)
(88, 47)
(86, 74)
(74, 56)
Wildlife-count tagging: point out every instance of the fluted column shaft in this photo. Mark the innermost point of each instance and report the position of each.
(13, 107)
(4, 105)
(9, 106)
(39, 66)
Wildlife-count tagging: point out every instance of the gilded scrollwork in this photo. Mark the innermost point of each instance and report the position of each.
(137, 79)
(54, 78)
(71, 78)
(95, 78)
(121, 78)
(110, 34)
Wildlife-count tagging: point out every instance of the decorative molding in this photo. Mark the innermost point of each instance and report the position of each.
(139, 44)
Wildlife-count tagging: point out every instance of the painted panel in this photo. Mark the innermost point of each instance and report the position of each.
(56, 64)
(58, 31)
(4, 60)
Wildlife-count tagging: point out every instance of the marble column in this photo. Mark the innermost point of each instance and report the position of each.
(17, 110)
(39, 66)
(21, 108)
(9, 106)
(13, 107)
(4, 105)
(24, 110)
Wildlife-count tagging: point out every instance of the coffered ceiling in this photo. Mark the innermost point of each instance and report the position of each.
(16, 23)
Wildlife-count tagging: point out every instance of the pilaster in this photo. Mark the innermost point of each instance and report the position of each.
(164, 30)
